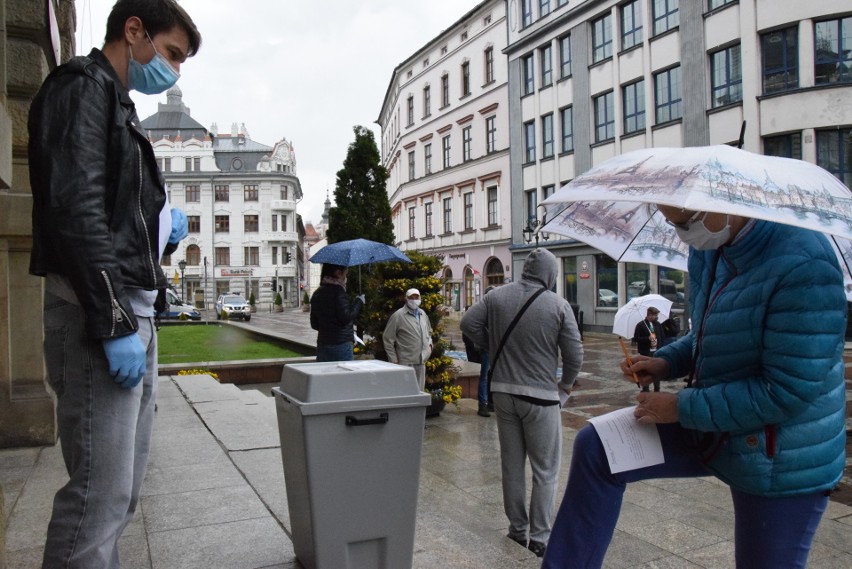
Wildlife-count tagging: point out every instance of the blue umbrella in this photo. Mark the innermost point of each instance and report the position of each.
(358, 252)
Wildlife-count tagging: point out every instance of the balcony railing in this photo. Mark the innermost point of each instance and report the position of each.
(288, 205)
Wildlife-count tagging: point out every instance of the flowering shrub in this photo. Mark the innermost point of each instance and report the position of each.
(212, 374)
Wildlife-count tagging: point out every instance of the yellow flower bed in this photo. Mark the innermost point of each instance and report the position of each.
(212, 374)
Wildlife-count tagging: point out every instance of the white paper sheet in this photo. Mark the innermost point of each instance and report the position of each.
(564, 396)
(628, 444)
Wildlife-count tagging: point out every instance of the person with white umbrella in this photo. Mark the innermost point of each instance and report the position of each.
(764, 409)
(649, 336)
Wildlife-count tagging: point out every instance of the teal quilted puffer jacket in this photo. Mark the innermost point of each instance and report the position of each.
(769, 381)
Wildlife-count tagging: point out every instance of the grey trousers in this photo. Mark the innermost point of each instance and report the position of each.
(105, 434)
(534, 431)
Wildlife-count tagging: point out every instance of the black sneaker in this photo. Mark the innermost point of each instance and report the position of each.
(537, 547)
(483, 411)
(520, 540)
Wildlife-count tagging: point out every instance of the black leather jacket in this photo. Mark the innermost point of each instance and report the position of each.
(333, 315)
(97, 192)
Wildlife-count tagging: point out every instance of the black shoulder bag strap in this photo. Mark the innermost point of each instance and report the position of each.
(509, 331)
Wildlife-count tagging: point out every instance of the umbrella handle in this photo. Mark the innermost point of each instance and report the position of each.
(629, 361)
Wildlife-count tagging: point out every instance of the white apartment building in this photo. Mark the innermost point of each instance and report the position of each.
(240, 200)
(445, 143)
(590, 79)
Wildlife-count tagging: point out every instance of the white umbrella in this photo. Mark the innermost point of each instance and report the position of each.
(635, 310)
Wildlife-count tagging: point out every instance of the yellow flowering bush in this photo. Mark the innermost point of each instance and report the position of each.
(212, 374)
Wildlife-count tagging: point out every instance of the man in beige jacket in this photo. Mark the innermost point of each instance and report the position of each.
(408, 336)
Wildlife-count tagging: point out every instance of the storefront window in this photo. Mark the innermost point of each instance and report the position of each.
(638, 279)
(673, 285)
(607, 274)
(569, 272)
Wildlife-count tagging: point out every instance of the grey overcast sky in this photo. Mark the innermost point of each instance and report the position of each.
(304, 70)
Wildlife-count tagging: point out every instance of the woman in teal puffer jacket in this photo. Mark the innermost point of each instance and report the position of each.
(765, 410)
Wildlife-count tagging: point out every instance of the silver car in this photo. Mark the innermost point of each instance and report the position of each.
(232, 305)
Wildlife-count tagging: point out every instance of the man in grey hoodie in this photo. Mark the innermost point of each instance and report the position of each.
(525, 389)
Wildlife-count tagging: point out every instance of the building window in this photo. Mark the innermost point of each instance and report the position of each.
(560, 3)
(607, 277)
(565, 56)
(427, 101)
(250, 192)
(548, 191)
(633, 98)
(284, 192)
(543, 8)
(448, 215)
(468, 211)
(411, 219)
(492, 205)
(631, 24)
(410, 112)
(193, 255)
(526, 13)
(221, 193)
(547, 136)
(444, 50)
(445, 90)
(531, 203)
(187, 164)
(602, 38)
(529, 74)
(284, 219)
(713, 4)
(490, 134)
(222, 224)
(529, 142)
(668, 102)
(428, 216)
(196, 164)
(546, 66)
(427, 159)
(250, 223)
(466, 143)
(465, 78)
(166, 261)
(566, 117)
(411, 165)
(167, 164)
(489, 65)
(193, 193)
(833, 57)
(726, 76)
(834, 153)
(445, 149)
(275, 255)
(464, 35)
(223, 255)
(604, 117)
(666, 15)
(780, 60)
(784, 145)
(274, 223)
(251, 255)
(193, 223)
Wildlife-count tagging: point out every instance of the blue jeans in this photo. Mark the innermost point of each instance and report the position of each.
(105, 434)
(483, 378)
(335, 352)
(770, 533)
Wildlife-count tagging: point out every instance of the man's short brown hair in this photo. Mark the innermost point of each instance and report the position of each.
(157, 16)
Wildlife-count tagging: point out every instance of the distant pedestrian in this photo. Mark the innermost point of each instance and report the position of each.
(333, 315)
(408, 336)
(480, 355)
(649, 337)
(101, 224)
(526, 393)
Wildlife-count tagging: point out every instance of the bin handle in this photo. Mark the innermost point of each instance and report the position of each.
(356, 422)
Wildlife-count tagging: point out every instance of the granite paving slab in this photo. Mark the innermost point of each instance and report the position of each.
(201, 508)
(238, 426)
(264, 470)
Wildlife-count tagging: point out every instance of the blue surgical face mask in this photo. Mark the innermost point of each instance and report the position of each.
(153, 77)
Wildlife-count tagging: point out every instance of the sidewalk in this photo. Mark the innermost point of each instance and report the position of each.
(214, 493)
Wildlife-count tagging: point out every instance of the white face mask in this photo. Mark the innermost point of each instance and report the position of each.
(412, 304)
(697, 235)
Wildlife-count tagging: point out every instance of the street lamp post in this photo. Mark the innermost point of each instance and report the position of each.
(182, 265)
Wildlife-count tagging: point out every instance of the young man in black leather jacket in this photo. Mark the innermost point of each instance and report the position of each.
(101, 222)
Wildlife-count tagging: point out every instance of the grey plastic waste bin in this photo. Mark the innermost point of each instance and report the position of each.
(351, 440)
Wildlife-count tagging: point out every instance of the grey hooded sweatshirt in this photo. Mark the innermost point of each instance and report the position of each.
(530, 356)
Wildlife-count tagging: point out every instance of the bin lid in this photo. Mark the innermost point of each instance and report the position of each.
(329, 387)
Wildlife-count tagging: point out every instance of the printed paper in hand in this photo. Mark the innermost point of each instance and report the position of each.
(628, 444)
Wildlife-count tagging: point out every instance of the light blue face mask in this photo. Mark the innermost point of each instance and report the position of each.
(153, 77)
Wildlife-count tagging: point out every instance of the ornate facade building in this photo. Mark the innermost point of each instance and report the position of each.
(240, 199)
(445, 143)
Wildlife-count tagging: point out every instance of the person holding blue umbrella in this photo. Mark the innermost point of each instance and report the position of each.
(333, 315)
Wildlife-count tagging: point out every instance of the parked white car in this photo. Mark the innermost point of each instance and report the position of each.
(232, 305)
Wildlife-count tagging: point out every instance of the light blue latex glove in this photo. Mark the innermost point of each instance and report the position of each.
(180, 227)
(126, 357)
(362, 298)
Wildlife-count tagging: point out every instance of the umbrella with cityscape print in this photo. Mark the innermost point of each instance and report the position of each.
(611, 206)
